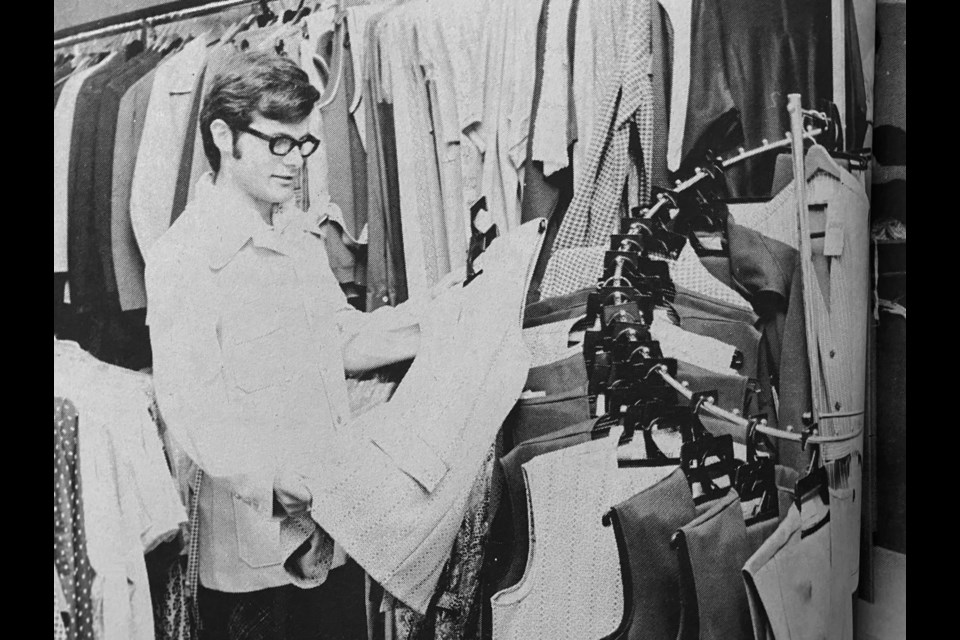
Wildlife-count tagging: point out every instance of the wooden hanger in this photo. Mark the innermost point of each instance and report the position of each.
(817, 159)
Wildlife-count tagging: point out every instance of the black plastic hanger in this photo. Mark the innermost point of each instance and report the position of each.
(266, 15)
(290, 14)
(479, 240)
(755, 479)
(815, 481)
(705, 458)
(659, 239)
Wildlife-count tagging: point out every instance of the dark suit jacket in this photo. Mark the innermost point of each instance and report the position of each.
(86, 276)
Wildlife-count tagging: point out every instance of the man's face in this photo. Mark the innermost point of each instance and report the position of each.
(266, 177)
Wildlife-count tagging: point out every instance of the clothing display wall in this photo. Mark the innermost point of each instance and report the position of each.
(640, 416)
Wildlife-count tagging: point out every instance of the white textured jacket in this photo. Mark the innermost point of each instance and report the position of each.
(392, 488)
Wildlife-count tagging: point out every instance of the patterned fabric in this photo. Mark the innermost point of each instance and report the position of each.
(455, 608)
(629, 103)
(174, 615)
(69, 536)
(193, 541)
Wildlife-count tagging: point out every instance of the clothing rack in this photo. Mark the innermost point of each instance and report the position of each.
(732, 418)
(700, 173)
(137, 20)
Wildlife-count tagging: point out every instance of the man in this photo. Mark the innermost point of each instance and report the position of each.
(251, 337)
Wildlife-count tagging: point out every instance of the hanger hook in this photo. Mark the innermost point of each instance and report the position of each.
(620, 278)
(660, 368)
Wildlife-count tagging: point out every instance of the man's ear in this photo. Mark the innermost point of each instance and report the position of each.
(222, 137)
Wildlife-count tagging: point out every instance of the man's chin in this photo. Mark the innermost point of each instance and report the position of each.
(282, 197)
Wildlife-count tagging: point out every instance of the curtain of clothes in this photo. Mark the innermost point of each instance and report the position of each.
(577, 111)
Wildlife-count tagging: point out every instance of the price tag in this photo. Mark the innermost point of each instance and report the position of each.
(833, 238)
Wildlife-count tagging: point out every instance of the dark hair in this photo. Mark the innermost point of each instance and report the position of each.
(252, 83)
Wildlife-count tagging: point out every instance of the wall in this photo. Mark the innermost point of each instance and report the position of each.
(889, 201)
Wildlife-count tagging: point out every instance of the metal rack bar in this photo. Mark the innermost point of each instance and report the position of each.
(722, 414)
(140, 19)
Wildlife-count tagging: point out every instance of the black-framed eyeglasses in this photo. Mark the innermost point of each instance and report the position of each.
(282, 144)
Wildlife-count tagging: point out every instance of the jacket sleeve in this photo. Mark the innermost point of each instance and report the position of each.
(190, 384)
(376, 339)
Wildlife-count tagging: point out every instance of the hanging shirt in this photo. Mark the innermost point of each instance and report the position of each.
(386, 264)
(425, 249)
(840, 262)
(108, 130)
(130, 501)
(128, 263)
(70, 559)
(678, 12)
(628, 104)
(460, 23)
(447, 136)
(164, 133)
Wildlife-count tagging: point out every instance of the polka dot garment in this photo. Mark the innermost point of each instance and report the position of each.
(69, 541)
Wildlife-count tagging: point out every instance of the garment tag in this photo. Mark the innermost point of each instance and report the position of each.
(711, 242)
(527, 394)
(66, 293)
(833, 238)
(483, 221)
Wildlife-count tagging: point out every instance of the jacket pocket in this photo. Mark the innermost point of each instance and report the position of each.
(253, 353)
(412, 455)
(258, 538)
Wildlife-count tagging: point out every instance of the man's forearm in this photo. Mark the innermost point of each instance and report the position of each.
(371, 350)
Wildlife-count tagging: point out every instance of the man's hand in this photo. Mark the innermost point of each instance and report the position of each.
(291, 493)
(449, 281)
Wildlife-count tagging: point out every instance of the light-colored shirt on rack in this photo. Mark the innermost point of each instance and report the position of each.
(164, 133)
(130, 502)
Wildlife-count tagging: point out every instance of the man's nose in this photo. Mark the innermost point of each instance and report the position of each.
(293, 159)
